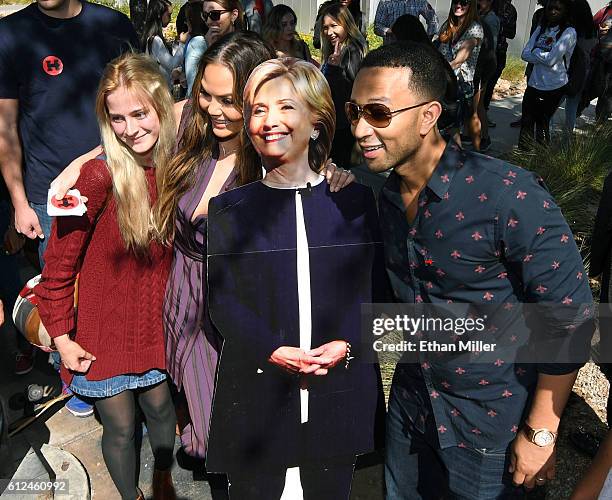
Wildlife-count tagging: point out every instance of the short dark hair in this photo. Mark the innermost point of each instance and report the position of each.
(428, 75)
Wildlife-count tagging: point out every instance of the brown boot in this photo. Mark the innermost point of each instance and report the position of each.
(163, 488)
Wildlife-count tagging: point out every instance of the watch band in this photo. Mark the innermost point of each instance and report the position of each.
(531, 433)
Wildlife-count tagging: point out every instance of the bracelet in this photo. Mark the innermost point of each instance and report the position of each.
(347, 356)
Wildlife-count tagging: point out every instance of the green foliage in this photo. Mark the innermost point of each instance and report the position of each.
(514, 70)
(125, 8)
(374, 41)
(574, 172)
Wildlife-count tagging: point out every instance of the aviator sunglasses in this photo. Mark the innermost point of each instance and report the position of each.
(377, 115)
(214, 15)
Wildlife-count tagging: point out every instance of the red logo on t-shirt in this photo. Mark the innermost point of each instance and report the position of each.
(52, 65)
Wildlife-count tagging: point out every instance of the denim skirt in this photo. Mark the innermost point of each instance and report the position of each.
(114, 385)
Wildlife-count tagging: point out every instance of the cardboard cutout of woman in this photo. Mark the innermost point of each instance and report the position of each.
(289, 265)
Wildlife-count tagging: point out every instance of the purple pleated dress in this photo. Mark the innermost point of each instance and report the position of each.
(192, 343)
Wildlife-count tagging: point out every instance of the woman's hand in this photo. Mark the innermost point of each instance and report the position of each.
(70, 175)
(337, 178)
(334, 58)
(74, 357)
(326, 357)
(292, 359)
(183, 37)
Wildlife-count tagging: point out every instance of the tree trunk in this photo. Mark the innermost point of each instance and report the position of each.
(138, 13)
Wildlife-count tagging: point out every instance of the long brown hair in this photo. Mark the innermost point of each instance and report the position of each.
(240, 52)
(454, 27)
(139, 74)
(272, 29)
(345, 19)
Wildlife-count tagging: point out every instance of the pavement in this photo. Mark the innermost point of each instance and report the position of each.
(59, 444)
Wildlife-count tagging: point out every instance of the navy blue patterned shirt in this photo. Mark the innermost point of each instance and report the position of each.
(485, 232)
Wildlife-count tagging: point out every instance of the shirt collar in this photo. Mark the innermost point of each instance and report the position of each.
(452, 159)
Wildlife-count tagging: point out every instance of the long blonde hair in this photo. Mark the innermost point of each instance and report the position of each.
(139, 74)
(345, 19)
(311, 86)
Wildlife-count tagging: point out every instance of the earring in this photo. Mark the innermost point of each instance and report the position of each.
(315, 135)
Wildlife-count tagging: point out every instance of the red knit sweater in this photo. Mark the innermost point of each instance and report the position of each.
(120, 295)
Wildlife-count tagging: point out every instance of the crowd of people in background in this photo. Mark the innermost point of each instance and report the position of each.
(157, 132)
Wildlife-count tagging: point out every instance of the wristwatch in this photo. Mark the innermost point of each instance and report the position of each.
(539, 437)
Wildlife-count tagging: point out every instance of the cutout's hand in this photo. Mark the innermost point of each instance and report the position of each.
(328, 355)
(292, 359)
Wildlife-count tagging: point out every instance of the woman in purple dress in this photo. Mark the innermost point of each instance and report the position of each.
(213, 155)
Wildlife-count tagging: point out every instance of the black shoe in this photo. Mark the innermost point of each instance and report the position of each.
(516, 123)
(585, 441)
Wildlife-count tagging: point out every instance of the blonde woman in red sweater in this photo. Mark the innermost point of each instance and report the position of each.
(114, 352)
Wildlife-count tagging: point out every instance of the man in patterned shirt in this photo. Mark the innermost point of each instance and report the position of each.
(466, 228)
(388, 11)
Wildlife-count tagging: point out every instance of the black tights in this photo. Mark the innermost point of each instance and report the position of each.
(118, 415)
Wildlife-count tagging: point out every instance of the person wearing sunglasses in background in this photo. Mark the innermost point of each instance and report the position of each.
(466, 228)
(460, 38)
(221, 18)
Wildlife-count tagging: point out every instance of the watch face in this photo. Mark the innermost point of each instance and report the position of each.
(543, 438)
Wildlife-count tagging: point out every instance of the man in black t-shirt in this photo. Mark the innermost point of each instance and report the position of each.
(52, 54)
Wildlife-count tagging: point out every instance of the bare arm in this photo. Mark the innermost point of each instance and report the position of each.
(464, 52)
(589, 487)
(70, 175)
(529, 461)
(11, 157)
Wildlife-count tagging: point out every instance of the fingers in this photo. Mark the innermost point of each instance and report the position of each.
(337, 48)
(87, 355)
(316, 352)
(38, 230)
(518, 478)
(308, 369)
(62, 190)
(321, 372)
(339, 178)
(84, 199)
